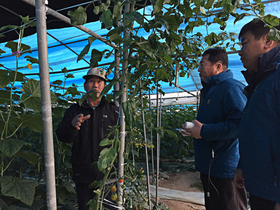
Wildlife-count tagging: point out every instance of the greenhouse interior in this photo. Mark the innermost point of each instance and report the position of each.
(158, 88)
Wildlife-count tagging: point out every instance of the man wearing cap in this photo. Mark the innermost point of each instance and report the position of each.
(85, 126)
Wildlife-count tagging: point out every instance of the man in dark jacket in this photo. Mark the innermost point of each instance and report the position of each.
(215, 132)
(85, 126)
(260, 123)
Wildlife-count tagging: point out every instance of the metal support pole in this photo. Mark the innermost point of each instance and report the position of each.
(146, 149)
(46, 103)
(122, 116)
(160, 109)
(158, 150)
(151, 138)
(117, 76)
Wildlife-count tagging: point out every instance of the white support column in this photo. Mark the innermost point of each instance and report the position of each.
(46, 103)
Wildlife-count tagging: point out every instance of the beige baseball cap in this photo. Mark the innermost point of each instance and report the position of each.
(96, 72)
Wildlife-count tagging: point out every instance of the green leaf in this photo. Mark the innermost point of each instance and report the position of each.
(106, 19)
(69, 187)
(7, 76)
(161, 74)
(4, 78)
(23, 48)
(11, 146)
(73, 91)
(160, 131)
(209, 4)
(61, 193)
(31, 157)
(134, 16)
(96, 9)
(4, 96)
(3, 205)
(158, 6)
(171, 133)
(106, 142)
(9, 27)
(32, 95)
(145, 47)
(117, 11)
(34, 122)
(126, 110)
(104, 6)
(240, 17)
(31, 59)
(227, 8)
(93, 202)
(187, 11)
(106, 157)
(19, 76)
(79, 16)
(96, 56)
(2, 51)
(19, 188)
(274, 34)
(86, 48)
(116, 38)
(271, 20)
(82, 99)
(69, 76)
(64, 190)
(107, 88)
(139, 72)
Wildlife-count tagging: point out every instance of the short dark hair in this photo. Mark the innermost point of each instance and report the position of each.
(257, 27)
(217, 54)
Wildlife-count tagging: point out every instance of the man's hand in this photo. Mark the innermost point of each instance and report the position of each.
(238, 179)
(277, 206)
(195, 131)
(78, 120)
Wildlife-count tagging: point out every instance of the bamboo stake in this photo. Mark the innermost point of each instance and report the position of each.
(146, 150)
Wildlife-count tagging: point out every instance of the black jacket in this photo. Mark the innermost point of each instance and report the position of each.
(86, 149)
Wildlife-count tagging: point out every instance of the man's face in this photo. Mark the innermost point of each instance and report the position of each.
(206, 68)
(251, 49)
(96, 84)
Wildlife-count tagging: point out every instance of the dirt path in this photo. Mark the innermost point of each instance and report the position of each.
(183, 181)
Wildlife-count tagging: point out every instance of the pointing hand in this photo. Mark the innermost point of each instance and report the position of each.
(78, 120)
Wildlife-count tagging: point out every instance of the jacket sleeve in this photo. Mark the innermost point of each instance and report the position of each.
(233, 104)
(275, 144)
(65, 131)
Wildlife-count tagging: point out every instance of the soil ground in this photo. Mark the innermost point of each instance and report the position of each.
(187, 181)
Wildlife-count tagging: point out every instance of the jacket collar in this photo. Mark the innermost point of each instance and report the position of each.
(267, 64)
(217, 79)
(268, 61)
(101, 103)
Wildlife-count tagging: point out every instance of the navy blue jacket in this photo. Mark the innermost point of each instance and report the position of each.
(259, 132)
(221, 106)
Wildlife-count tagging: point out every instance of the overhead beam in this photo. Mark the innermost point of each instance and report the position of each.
(67, 20)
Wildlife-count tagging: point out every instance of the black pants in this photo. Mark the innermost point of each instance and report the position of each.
(258, 203)
(85, 194)
(222, 194)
